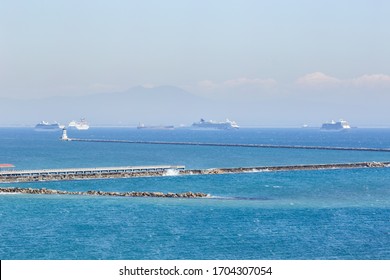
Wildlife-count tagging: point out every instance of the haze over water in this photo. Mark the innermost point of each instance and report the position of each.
(260, 63)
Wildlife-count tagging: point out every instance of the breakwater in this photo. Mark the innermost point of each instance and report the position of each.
(365, 149)
(110, 173)
(287, 168)
(86, 173)
(102, 193)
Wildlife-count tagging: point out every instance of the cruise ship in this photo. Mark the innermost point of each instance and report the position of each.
(80, 125)
(335, 126)
(202, 124)
(46, 126)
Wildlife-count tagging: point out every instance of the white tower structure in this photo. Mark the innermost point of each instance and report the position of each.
(64, 136)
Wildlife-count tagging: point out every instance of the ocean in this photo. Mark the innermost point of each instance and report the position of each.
(317, 214)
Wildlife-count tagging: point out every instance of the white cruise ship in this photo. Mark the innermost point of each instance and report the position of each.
(202, 124)
(80, 125)
(335, 126)
(46, 126)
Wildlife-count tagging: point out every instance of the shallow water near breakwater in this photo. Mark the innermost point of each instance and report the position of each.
(322, 214)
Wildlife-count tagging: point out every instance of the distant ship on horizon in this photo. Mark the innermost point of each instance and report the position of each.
(202, 124)
(335, 126)
(80, 125)
(46, 126)
(143, 126)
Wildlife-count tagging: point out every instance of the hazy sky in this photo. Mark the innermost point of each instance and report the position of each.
(210, 48)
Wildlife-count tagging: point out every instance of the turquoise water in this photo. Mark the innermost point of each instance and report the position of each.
(323, 214)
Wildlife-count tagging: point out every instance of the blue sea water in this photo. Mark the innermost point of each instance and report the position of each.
(322, 214)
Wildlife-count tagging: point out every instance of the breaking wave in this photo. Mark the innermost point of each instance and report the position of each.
(171, 172)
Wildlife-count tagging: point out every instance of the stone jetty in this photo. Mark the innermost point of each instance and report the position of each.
(213, 171)
(48, 175)
(245, 145)
(102, 193)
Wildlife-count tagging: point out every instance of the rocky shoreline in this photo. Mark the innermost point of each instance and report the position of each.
(102, 193)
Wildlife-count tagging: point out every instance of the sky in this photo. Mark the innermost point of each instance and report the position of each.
(299, 53)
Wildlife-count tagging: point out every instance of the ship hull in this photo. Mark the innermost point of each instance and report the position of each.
(47, 127)
(212, 125)
(335, 126)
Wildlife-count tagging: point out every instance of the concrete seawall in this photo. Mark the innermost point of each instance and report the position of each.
(211, 171)
(102, 193)
(86, 173)
(55, 177)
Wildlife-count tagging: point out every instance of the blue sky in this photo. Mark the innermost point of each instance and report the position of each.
(210, 48)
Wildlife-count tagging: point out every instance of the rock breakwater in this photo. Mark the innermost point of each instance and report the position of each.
(213, 171)
(268, 146)
(52, 176)
(102, 193)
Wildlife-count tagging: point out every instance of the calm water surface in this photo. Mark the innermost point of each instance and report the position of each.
(324, 214)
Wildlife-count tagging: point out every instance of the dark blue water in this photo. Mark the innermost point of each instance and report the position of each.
(325, 214)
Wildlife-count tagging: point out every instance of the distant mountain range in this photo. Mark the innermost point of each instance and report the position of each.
(170, 105)
(159, 105)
